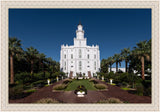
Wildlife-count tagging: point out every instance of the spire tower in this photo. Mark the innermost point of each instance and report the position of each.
(80, 31)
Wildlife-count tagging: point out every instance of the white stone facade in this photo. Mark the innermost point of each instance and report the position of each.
(80, 58)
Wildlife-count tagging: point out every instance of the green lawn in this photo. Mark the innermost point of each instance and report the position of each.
(75, 83)
(125, 88)
(112, 84)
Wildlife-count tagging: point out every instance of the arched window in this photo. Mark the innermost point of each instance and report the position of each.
(95, 65)
(65, 65)
(65, 56)
(88, 56)
(94, 56)
(71, 56)
(80, 65)
(80, 53)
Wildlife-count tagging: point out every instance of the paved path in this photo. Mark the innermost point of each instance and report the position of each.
(91, 97)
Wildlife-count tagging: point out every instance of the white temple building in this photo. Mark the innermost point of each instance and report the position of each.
(80, 59)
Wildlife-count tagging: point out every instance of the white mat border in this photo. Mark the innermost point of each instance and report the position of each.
(79, 4)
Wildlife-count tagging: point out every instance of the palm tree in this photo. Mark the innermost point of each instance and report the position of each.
(14, 48)
(132, 79)
(142, 50)
(41, 58)
(117, 59)
(57, 66)
(104, 66)
(125, 53)
(110, 61)
(31, 55)
(49, 60)
(50, 65)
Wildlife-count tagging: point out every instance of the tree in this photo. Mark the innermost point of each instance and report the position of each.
(125, 53)
(142, 51)
(110, 61)
(132, 78)
(14, 48)
(41, 57)
(31, 55)
(104, 66)
(50, 65)
(49, 60)
(117, 59)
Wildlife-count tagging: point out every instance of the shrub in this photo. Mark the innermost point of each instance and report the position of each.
(110, 100)
(138, 80)
(100, 86)
(110, 75)
(147, 91)
(39, 83)
(59, 87)
(27, 86)
(123, 77)
(139, 88)
(146, 83)
(23, 77)
(47, 75)
(67, 81)
(53, 75)
(38, 76)
(114, 100)
(47, 100)
(94, 81)
(16, 92)
(31, 91)
(80, 88)
(124, 84)
(53, 80)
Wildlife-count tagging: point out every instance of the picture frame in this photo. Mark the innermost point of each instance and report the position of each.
(5, 5)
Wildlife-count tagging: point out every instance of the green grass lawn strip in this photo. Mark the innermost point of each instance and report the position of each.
(75, 83)
(125, 88)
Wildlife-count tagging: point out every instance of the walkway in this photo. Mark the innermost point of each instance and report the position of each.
(91, 97)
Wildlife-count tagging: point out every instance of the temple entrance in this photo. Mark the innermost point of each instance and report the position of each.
(71, 74)
(89, 74)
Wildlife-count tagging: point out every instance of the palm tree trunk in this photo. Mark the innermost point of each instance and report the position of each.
(142, 62)
(126, 66)
(116, 66)
(31, 67)
(110, 67)
(107, 68)
(11, 69)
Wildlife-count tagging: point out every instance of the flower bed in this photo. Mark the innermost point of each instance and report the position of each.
(59, 87)
(100, 86)
(80, 89)
(47, 100)
(110, 100)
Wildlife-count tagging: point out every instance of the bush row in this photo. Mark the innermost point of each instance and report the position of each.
(100, 86)
(110, 100)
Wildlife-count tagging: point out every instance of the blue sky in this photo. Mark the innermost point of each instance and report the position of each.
(111, 29)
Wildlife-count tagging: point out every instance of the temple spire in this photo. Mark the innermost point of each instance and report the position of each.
(79, 23)
(80, 32)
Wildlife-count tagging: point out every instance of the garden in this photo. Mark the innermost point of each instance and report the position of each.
(31, 70)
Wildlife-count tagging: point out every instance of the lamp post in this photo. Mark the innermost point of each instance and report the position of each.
(48, 81)
(111, 81)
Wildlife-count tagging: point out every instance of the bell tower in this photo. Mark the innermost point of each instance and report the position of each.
(80, 40)
(80, 32)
